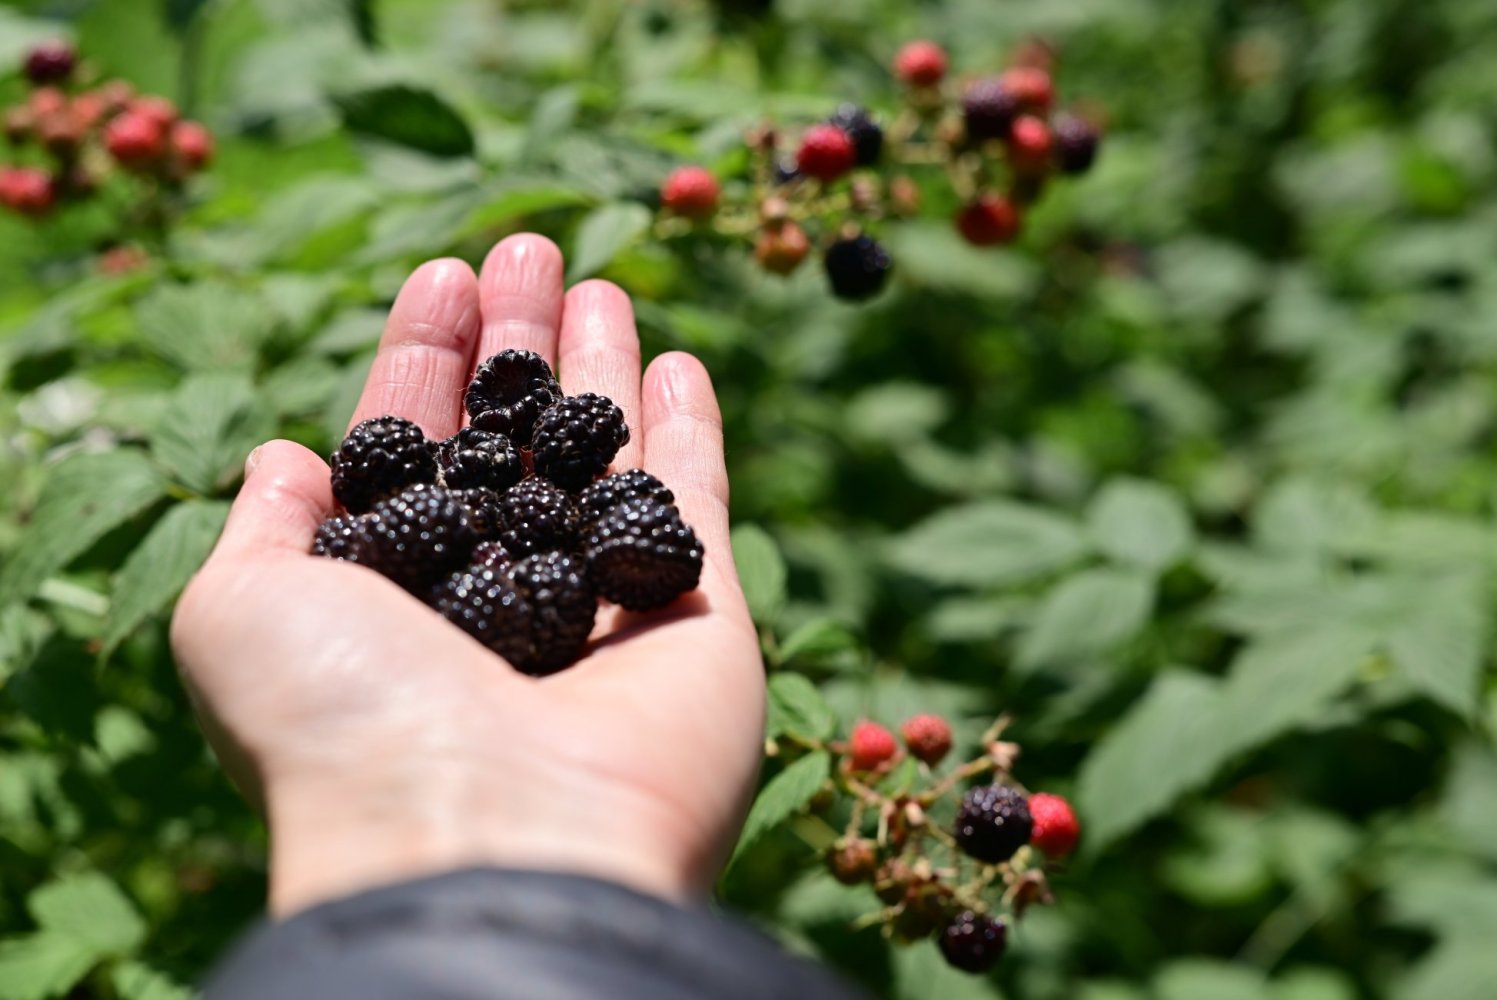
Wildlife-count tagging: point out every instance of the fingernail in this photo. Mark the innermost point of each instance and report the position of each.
(252, 462)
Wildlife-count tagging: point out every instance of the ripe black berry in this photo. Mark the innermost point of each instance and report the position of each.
(563, 605)
(989, 109)
(867, 138)
(576, 439)
(1076, 142)
(973, 942)
(537, 516)
(992, 823)
(508, 393)
(343, 537)
(485, 515)
(475, 459)
(380, 456)
(641, 555)
(50, 62)
(858, 267)
(484, 602)
(418, 535)
(610, 491)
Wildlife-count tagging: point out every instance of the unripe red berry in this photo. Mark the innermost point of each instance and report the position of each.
(872, 747)
(46, 101)
(135, 140)
(1030, 144)
(1056, 828)
(50, 62)
(988, 221)
(116, 95)
(904, 196)
(88, 108)
(826, 153)
(781, 247)
(691, 192)
(853, 861)
(121, 259)
(1032, 87)
(193, 144)
(928, 738)
(27, 190)
(61, 133)
(157, 109)
(920, 63)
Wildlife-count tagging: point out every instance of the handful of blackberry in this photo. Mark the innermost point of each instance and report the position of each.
(504, 528)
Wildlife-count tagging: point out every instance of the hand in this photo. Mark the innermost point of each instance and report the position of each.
(381, 740)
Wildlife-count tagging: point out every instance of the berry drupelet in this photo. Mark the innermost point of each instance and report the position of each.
(641, 556)
(379, 457)
(992, 823)
(576, 439)
(508, 393)
(475, 459)
(536, 516)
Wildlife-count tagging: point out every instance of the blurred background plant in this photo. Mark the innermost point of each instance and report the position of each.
(1194, 479)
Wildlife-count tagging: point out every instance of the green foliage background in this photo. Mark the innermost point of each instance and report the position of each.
(1197, 481)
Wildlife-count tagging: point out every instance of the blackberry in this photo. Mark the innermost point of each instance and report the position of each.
(563, 605)
(1076, 142)
(484, 602)
(973, 942)
(992, 823)
(484, 512)
(343, 537)
(857, 267)
(418, 535)
(380, 457)
(640, 555)
(867, 138)
(508, 393)
(537, 516)
(577, 438)
(474, 459)
(610, 491)
(493, 555)
(989, 109)
(50, 62)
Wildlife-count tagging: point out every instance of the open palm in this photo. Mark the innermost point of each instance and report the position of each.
(382, 741)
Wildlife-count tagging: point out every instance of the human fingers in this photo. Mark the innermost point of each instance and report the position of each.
(598, 351)
(520, 295)
(286, 494)
(426, 352)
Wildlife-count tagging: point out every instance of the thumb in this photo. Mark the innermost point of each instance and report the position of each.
(285, 496)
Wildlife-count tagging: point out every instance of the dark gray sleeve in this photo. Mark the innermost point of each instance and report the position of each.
(513, 935)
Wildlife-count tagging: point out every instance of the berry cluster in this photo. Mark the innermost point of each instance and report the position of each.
(69, 138)
(505, 528)
(996, 138)
(962, 880)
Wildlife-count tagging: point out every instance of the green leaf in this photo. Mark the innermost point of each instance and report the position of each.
(989, 542)
(1197, 978)
(207, 325)
(1139, 522)
(1086, 615)
(136, 981)
(1282, 683)
(1469, 802)
(42, 965)
(407, 116)
(1157, 752)
(90, 909)
(1454, 970)
(796, 706)
(817, 639)
(761, 571)
(1439, 648)
(181, 13)
(601, 236)
(162, 564)
(517, 200)
(210, 425)
(784, 796)
(85, 497)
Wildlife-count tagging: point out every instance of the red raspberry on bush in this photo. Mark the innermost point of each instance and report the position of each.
(61, 133)
(928, 738)
(691, 192)
(157, 109)
(135, 140)
(88, 108)
(1056, 828)
(1031, 86)
(920, 63)
(988, 221)
(872, 747)
(1030, 144)
(781, 247)
(27, 190)
(192, 143)
(46, 101)
(50, 62)
(826, 153)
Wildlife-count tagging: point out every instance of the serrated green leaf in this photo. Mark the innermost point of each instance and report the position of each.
(785, 794)
(796, 706)
(1454, 970)
(205, 326)
(1141, 523)
(520, 200)
(601, 236)
(817, 639)
(761, 571)
(210, 424)
(1279, 684)
(1197, 978)
(85, 496)
(1086, 615)
(42, 966)
(1469, 802)
(162, 564)
(91, 909)
(137, 981)
(1439, 647)
(985, 543)
(408, 116)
